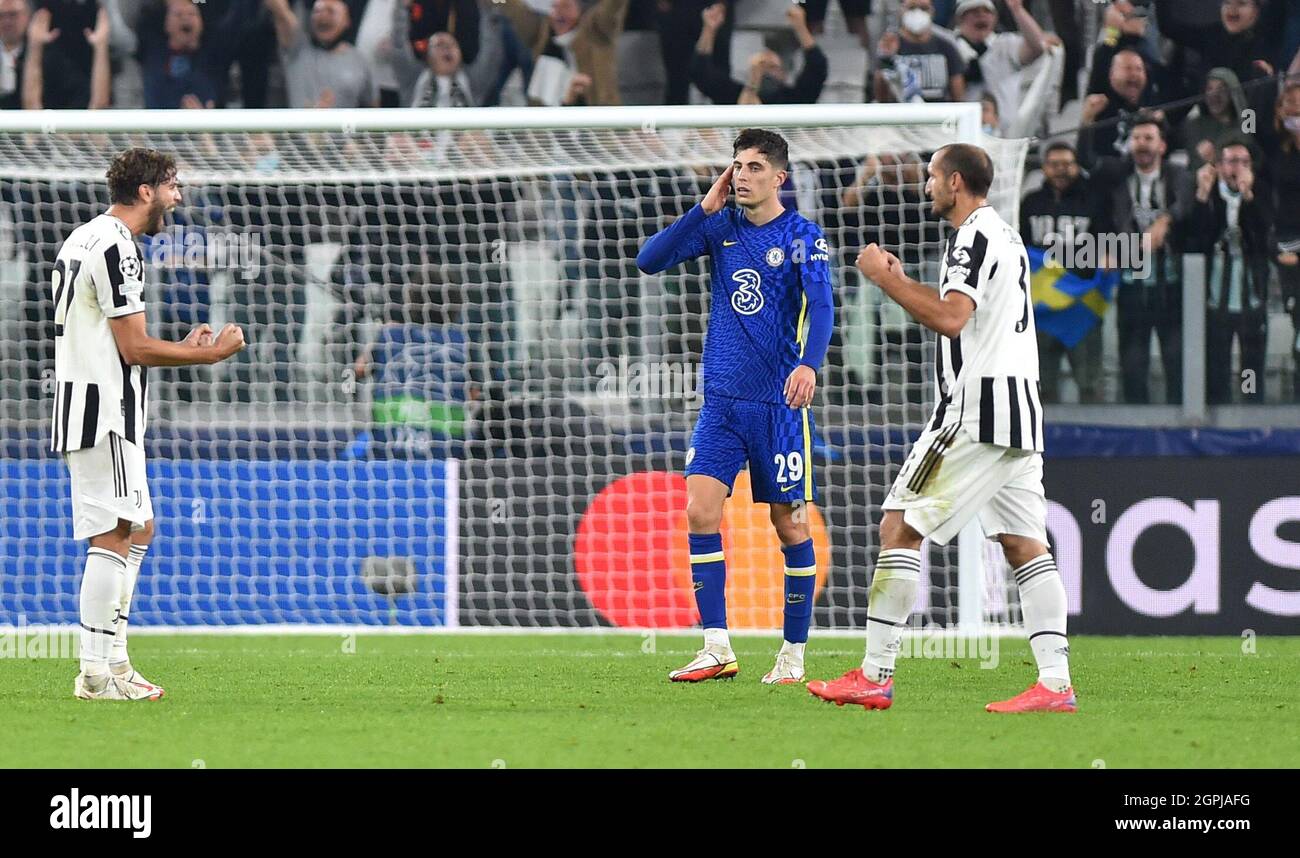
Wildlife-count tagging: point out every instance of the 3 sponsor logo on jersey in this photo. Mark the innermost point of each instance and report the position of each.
(748, 299)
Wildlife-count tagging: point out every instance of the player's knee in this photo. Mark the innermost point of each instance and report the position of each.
(791, 527)
(1019, 550)
(703, 516)
(897, 533)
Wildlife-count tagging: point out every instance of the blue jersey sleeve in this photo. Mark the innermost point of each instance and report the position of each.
(815, 279)
(681, 240)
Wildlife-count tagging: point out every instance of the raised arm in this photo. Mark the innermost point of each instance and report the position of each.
(39, 35)
(101, 71)
(946, 315)
(684, 239)
(288, 29)
(1035, 40)
(808, 86)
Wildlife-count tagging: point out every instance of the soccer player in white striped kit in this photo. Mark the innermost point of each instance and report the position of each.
(980, 455)
(101, 355)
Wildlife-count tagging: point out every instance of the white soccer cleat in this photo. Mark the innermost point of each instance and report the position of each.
(85, 690)
(137, 687)
(712, 662)
(788, 669)
(116, 688)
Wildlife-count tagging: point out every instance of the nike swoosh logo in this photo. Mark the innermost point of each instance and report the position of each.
(727, 243)
(788, 488)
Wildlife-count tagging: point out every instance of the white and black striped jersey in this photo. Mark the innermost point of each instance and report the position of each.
(98, 276)
(986, 377)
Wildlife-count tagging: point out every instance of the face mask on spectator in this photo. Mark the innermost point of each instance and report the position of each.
(916, 20)
(772, 90)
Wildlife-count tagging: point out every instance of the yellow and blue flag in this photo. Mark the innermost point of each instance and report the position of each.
(1066, 305)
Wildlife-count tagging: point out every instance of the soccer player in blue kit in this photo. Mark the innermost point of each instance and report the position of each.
(770, 322)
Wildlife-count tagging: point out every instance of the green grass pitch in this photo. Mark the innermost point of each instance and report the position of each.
(599, 700)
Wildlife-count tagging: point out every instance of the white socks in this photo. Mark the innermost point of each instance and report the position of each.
(134, 559)
(101, 591)
(893, 593)
(1042, 601)
(717, 639)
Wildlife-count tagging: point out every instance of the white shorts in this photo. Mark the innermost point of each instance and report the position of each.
(949, 478)
(108, 483)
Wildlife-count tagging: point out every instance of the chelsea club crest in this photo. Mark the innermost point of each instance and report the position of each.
(775, 256)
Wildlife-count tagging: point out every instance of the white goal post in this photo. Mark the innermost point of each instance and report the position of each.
(462, 406)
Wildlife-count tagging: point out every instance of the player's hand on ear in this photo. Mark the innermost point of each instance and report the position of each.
(800, 386)
(716, 198)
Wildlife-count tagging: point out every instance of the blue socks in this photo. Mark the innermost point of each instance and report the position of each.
(709, 575)
(800, 582)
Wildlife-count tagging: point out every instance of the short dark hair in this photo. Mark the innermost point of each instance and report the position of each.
(1237, 141)
(135, 167)
(769, 143)
(1146, 117)
(1060, 146)
(972, 162)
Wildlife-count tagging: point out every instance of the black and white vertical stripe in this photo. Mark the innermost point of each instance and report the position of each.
(76, 416)
(1010, 412)
(135, 384)
(120, 487)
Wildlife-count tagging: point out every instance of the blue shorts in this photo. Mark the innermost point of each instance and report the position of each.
(774, 439)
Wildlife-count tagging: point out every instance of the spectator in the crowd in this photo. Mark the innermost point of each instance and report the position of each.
(14, 17)
(1144, 195)
(1125, 26)
(917, 64)
(993, 61)
(855, 17)
(768, 81)
(388, 52)
(52, 79)
(1283, 177)
(990, 115)
(679, 24)
(1232, 225)
(1058, 217)
(583, 42)
(436, 59)
(321, 67)
(1218, 118)
(460, 18)
(183, 64)
(1246, 39)
(1108, 117)
(441, 80)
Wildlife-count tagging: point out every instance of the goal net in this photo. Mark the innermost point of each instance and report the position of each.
(461, 402)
